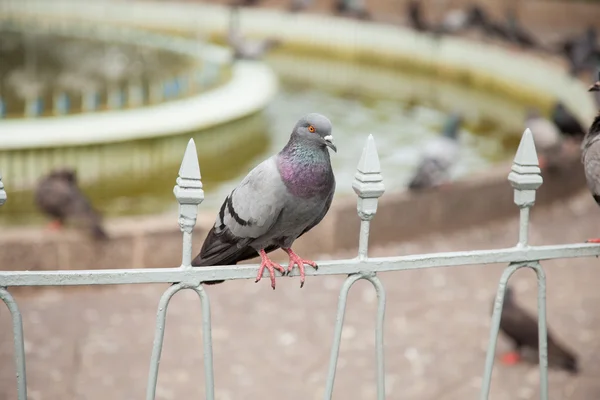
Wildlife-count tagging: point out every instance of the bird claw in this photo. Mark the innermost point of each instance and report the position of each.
(270, 266)
(295, 259)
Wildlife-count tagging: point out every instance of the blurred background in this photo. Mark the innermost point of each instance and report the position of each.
(98, 100)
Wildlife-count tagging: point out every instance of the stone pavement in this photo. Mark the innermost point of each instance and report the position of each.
(94, 344)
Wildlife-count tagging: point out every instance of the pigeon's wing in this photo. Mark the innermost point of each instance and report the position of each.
(519, 326)
(591, 166)
(247, 213)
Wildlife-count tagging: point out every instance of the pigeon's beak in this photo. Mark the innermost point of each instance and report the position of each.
(329, 142)
(595, 87)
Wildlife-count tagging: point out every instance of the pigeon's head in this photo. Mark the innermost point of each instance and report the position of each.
(317, 128)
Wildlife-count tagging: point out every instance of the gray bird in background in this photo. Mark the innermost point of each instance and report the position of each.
(567, 123)
(438, 158)
(522, 330)
(582, 51)
(277, 202)
(245, 49)
(591, 156)
(547, 138)
(299, 5)
(58, 196)
(354, 8)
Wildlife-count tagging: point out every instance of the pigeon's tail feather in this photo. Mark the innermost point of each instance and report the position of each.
(562, 357)
(218, 252)
(98, 232)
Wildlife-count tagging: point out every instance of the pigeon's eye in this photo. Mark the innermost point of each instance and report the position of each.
(311, 129)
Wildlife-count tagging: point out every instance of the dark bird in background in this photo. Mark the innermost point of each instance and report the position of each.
(244, 49)
(480, 19)
(245, 3)
(277, 202)
(58, 196)
(355, 8)
(517, 34)
(299, 5)
(581, 52)
(438, 158)
(415, 16)
(591, 156)
(566, 122)
(522, 330)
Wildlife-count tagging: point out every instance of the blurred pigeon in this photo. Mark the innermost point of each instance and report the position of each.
(478, 18)
(547, 139)
(277, 202)
(354, 8)
(454, 21)
(439, 156)
(299, 5)
(581, 52)
(415, 17)
(58, 195)
(522, 329)
(518, 34)
(244, 49)
(566, 122)
(591, 156)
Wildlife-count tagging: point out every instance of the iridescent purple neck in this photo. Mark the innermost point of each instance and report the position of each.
(305, 168)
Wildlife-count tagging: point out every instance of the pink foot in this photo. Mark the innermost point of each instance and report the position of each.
(511, 358)
(270, 265)
(296, 260)
(593, 241)
(54, 225)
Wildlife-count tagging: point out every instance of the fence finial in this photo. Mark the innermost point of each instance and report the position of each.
(368, 182)
(188, 190)
(525, 176)
(3, 196)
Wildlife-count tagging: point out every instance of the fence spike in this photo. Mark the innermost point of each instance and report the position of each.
(3, 195)
(368, 185)
(189, 194)
(525, 177)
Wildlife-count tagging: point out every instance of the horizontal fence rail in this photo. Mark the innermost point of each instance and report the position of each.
(525, 178)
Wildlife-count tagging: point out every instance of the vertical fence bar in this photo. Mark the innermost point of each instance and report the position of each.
(159, 334)
(189, 194)
(337, 333)
(18, 342)
(379, 354)
(207, 342)
(542, 330)
(494, 330)
(368, 185)
(525, 177)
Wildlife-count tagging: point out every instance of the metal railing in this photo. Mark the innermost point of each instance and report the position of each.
(205, 72)
(524, 177)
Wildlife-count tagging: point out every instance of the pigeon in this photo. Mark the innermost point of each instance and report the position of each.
(522, 329)
(566, 122)
(547, 139)
(355, 8)
(58, 196)
(581, 51)
(415, 17)
(518, 34)
(299, 5)
(277, 202)
(590, 156)
(478, 18)
(438, 157)
(244, 49)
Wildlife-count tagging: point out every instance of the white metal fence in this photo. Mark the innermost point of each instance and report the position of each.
(524, 177)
